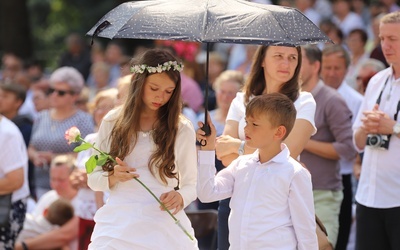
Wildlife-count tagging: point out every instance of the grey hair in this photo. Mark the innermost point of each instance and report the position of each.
(375, 64)
(337, 48)
(68, 75)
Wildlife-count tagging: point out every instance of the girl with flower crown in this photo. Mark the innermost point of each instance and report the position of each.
(152, 141)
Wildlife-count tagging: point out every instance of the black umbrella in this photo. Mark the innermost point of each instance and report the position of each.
(209, 21)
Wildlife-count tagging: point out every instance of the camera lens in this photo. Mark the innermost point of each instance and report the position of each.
(374, 140)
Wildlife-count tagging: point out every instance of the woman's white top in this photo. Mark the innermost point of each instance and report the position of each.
(132, 218)
(305, 106)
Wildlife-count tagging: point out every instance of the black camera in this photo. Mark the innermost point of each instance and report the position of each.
(378, 141)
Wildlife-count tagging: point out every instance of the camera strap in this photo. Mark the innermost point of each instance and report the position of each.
(378, 101)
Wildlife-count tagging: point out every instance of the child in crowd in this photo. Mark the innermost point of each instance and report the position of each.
(56, 215)
(271, 193)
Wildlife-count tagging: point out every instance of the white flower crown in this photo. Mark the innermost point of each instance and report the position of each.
(141, 68)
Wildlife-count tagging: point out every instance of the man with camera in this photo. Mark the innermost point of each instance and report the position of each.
(377, 133)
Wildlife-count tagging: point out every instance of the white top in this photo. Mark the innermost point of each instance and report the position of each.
(47, 199)
(351, 21)
(28, 107)
(13, 155)
(88, 206)
(131, 218)
(353, 100)
(272, 204)
(379, 182)
(305, 106)
(35, 226)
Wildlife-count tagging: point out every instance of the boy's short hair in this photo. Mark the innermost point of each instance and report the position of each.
(60, 212)
(278, 108)
(18, 90)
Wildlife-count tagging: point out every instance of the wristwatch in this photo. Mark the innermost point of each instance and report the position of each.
(241, 148)
(396, 129)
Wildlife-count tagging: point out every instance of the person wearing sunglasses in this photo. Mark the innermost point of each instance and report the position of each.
(47, 139)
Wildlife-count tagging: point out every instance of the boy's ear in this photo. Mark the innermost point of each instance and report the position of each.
(45, 211)
(280, 132)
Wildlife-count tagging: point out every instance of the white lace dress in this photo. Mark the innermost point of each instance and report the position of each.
(131, 218)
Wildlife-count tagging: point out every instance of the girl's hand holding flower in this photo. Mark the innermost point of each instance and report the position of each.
(172, 200)
(122, 173)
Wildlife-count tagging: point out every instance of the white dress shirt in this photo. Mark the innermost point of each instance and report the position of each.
(272, 203)
(379, 183)
(353, 100)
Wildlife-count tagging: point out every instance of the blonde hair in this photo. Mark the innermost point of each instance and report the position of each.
(64, 159)
(229, 75)
(393, 17)
(103, 94)
(124, 81)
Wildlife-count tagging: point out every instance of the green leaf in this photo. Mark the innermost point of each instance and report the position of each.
(101, 160)
(83, 146)
(91, 164)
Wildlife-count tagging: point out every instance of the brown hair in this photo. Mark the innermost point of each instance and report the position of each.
(256, 84)
(278, 108)
(18, 90)
(59, 212)
(124, 134)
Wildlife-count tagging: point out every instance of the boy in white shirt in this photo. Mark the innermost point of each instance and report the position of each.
(271, 193)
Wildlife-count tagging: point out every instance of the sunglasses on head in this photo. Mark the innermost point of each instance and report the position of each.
(60, 92)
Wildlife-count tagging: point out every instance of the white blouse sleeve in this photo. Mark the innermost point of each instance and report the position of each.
(306, 107)
(237, 108)
(98, 179)
(186, 161)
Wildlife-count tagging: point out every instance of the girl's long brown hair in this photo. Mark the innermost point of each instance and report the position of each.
(255, 84)
(125, 132)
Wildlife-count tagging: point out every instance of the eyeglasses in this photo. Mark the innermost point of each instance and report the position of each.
(60, 92)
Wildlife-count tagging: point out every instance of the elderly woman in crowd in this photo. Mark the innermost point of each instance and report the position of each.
(47, 138)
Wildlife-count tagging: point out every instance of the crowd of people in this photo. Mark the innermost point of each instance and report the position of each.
(299, 135)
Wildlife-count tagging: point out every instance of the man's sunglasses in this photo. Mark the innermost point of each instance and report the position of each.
(60, 92)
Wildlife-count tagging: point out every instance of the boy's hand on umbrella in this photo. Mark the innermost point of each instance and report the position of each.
(210, 139)
(172, 200)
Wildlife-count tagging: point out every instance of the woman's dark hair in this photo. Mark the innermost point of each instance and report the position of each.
(256, 84)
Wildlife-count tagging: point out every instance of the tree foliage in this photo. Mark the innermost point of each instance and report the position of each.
(47, 23)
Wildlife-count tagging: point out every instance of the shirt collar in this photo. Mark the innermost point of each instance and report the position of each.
(281, 157)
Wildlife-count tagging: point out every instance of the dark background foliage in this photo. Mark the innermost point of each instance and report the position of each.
(38, 28)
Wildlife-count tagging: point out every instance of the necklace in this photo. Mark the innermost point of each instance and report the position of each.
(147, 133)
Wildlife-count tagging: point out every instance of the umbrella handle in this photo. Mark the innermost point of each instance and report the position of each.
(207, 129)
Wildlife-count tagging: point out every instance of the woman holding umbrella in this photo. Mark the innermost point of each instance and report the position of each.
(274, 69)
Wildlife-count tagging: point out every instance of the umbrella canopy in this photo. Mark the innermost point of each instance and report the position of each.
(209, 21)
(227, 21)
